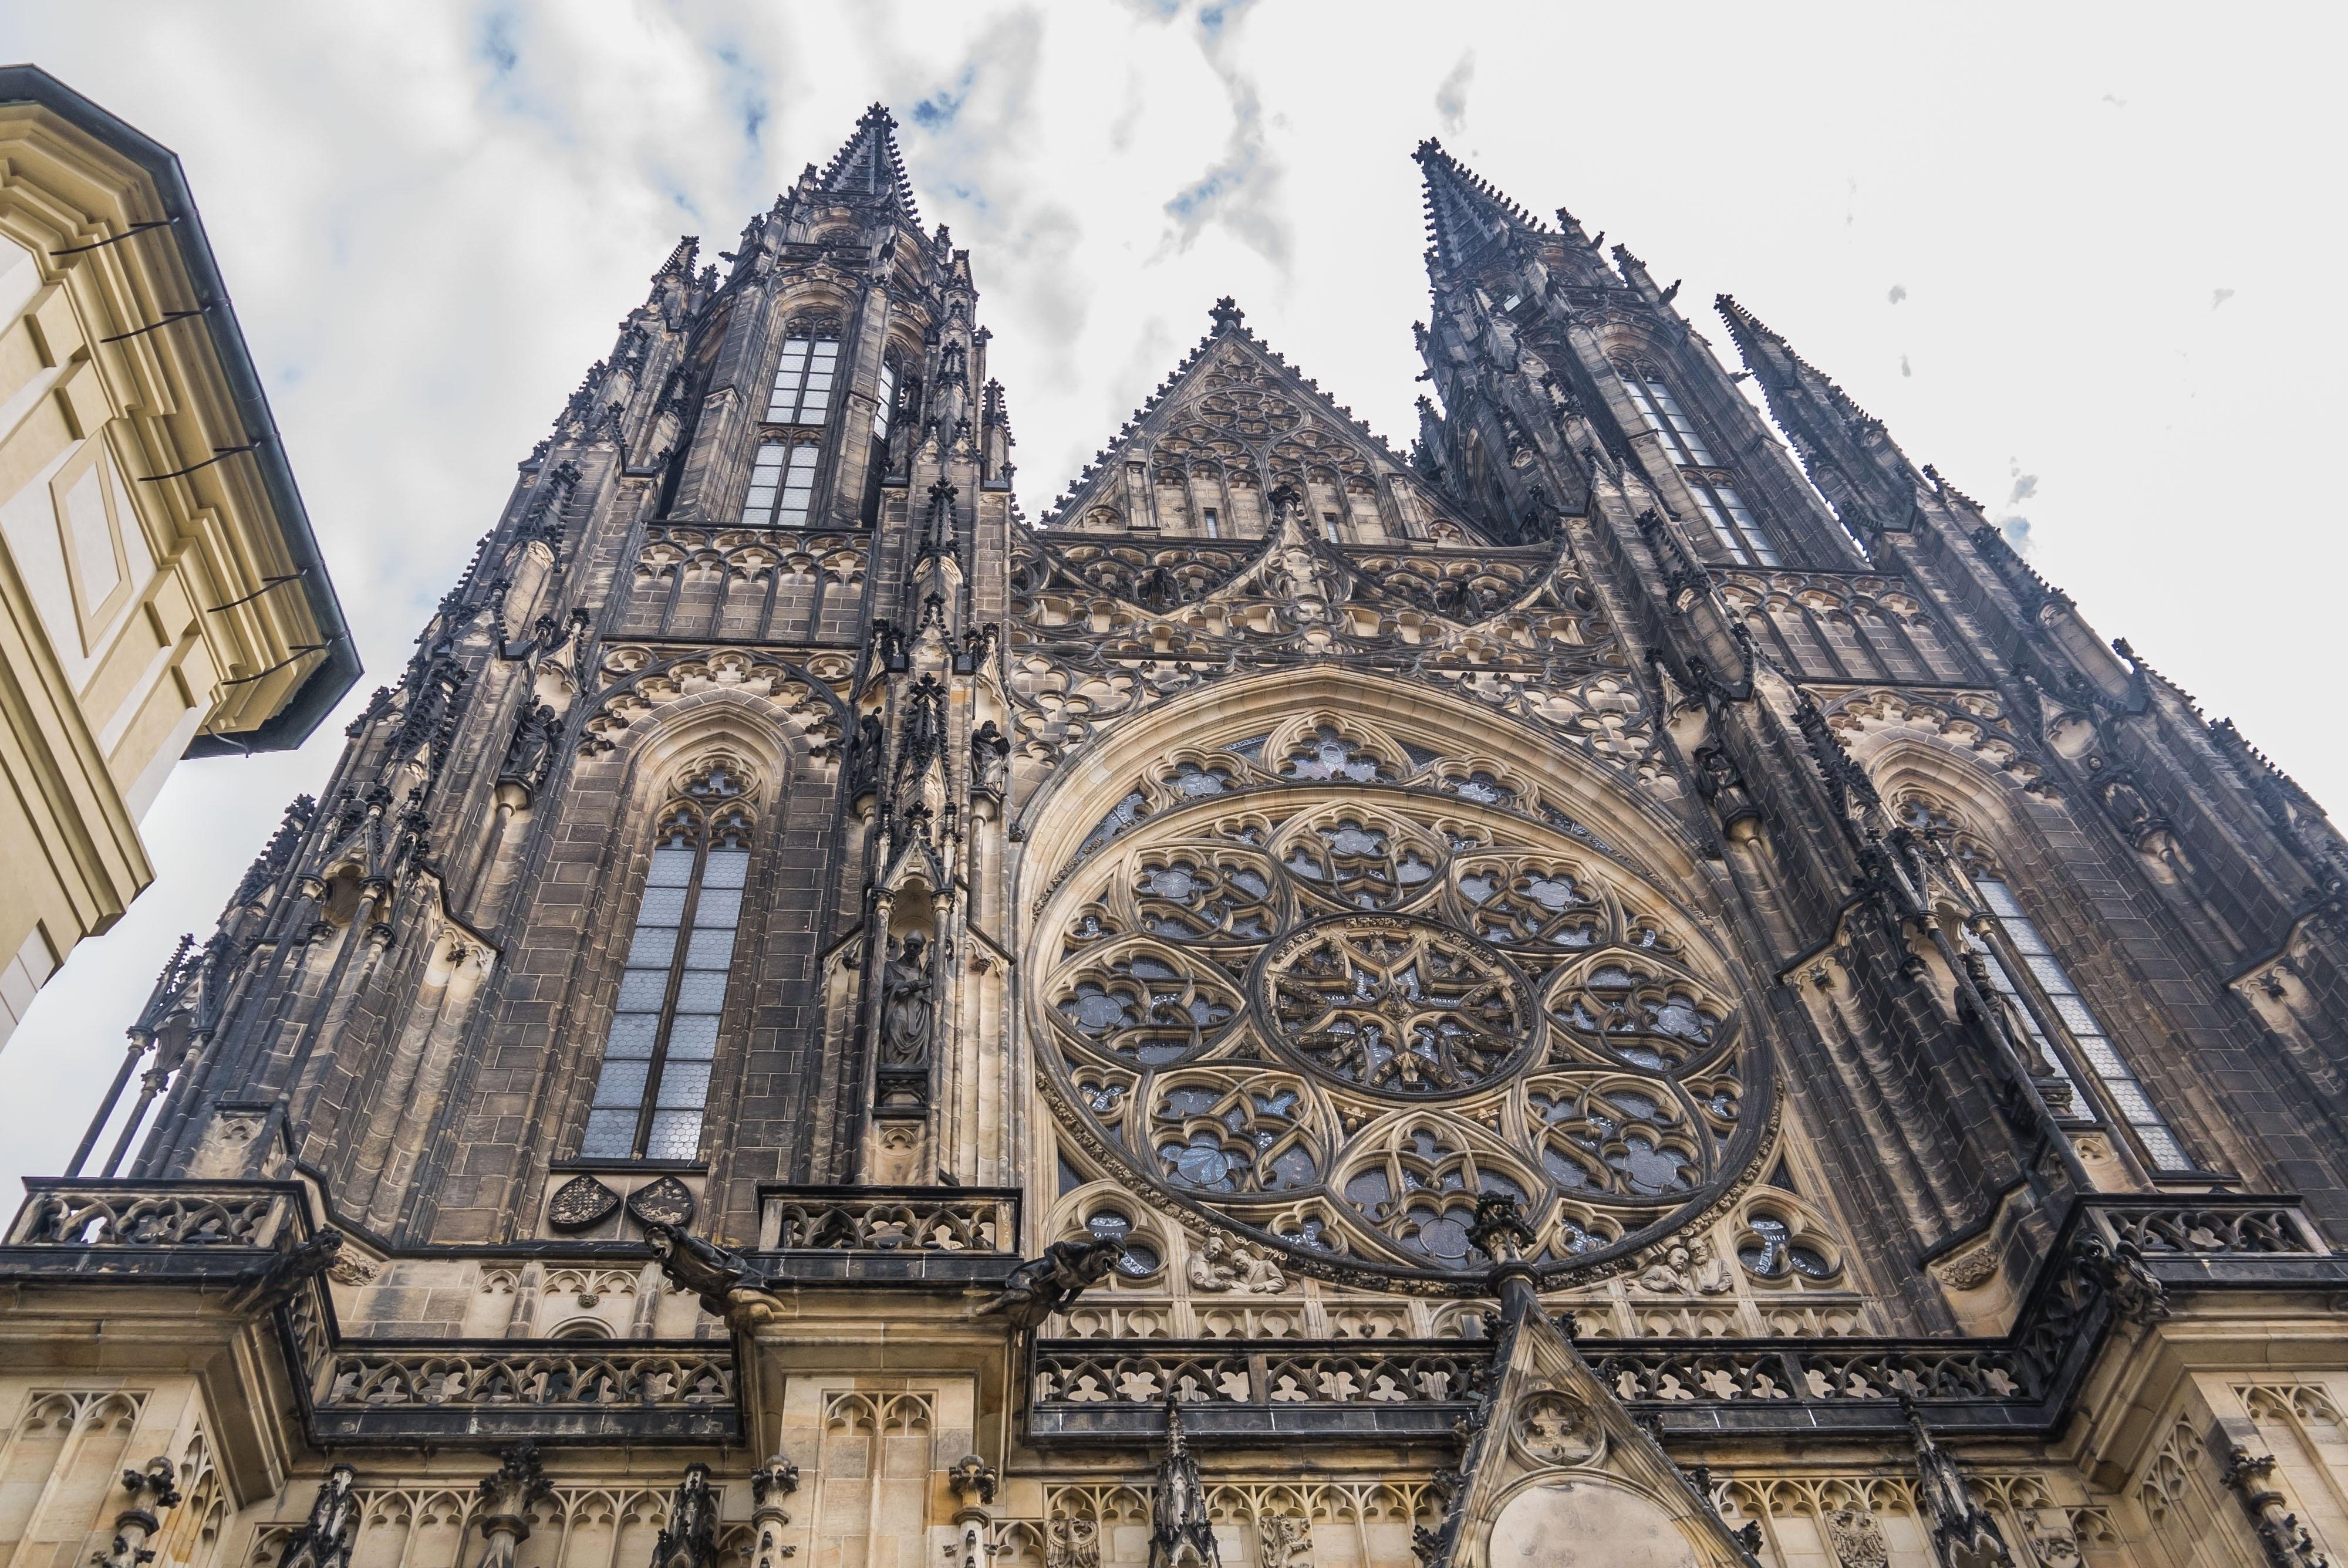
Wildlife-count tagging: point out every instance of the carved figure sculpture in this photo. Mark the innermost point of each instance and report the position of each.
(905, 987)
(690, 1538)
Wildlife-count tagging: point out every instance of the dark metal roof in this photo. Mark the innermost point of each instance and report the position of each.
(325, 685)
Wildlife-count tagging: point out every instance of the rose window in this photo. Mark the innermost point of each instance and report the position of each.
(1333, 1012)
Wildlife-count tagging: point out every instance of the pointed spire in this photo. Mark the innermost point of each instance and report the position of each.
(1465, 215)
(1844, 448)
(869, 167)
(680, 260)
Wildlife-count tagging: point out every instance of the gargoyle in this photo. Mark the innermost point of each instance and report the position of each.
(1043, 1285)
(264, 1285)
(700, 1267)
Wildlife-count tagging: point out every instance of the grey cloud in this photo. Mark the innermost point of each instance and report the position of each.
(1451, 96)
(1899, 293)
(2219, 296)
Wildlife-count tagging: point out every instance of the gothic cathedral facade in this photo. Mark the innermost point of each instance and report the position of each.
(1609, 987)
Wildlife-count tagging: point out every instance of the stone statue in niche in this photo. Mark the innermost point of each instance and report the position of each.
(529, 755)
(988, 748)
(905, 987)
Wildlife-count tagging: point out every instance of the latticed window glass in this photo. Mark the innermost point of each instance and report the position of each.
(885, 408)
(1662, 412)
(782, 486)
(654, 1088)
(1732, 522)
(2095, 1044)
(802, 391)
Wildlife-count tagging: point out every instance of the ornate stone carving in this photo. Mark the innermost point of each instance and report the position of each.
(905, 1005)
(1857, 1539)
(667, 1202)
(153, 1489)
(689, 1539)
(1181, 1534)
(1051, 1283)
(581, 1203)
(1554, 1429)
(507, 1496)
(1220, 1264)
(1970, 1269)
(325, 1539)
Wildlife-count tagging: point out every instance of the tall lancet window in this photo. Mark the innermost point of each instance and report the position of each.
(2092, 1044)
(782, 486)
(654, 1088)
(884, 404)
(1733, 528)
(803, 390)
(1662, 412)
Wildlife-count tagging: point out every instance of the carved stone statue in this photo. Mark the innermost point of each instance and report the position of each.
(1043, 1285)
(988, 748)
(905, 987)
(702, 1267)
(864, 754)
(529, 755)
(1685, 1269)
(1181, 1534)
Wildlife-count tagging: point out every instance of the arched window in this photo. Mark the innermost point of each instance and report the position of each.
(1731, 520)
(655, 1084)
(782, 486)
(802, 389)
(2094, 1046)
(2023, 969)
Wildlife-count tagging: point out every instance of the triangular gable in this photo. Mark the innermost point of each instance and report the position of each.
(1558, 1474)
(1232, 424)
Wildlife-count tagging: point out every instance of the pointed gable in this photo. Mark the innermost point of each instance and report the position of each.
(869, 167)
(1232, 424)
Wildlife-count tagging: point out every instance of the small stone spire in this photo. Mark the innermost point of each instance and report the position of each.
(868, 167)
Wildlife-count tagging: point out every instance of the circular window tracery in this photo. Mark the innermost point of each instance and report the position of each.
(1334, 1020)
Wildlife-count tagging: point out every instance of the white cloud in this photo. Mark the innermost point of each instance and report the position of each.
(431, 213)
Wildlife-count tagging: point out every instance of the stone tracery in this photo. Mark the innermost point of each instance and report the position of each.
(1296, 988)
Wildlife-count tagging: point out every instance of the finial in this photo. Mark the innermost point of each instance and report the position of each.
(1228, 315)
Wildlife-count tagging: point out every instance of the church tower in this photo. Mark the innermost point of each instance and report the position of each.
(1626, 983)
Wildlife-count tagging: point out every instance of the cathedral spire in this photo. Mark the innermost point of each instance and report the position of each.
(1466, 213)
(1848, 454)
(869, 167)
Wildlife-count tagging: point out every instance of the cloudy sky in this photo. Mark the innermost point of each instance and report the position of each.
(2075, 256)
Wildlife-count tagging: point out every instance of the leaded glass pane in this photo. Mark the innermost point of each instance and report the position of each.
(632, 1035)
(676, 1135)
(710, 949)
(701, 990)
(641, 990)
(693, 1036)
(652, 948)
(685, 1086)
(611, 1135)
(622, 1083)
(661, 906)
(727, 868)
(672, 867)
(719, 906)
